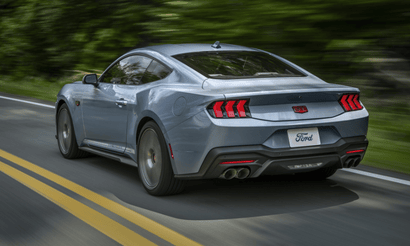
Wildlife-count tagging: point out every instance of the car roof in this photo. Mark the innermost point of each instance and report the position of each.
(175, 49)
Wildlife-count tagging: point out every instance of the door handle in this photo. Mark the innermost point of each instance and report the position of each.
(121, 102)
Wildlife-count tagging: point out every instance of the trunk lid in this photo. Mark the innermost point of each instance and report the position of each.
(272, 99)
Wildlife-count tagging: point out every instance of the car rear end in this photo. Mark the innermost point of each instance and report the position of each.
(268, 125)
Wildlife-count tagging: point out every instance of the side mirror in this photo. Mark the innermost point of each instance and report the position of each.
(90, 79)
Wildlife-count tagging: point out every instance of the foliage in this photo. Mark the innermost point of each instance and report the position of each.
(47, 37)
(388, 140)
(328, 37)
(38, 87)
(362, 43)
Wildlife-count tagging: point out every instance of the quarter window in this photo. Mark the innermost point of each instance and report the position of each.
(154, 72)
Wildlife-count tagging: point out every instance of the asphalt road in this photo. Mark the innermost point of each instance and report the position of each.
(347, 209)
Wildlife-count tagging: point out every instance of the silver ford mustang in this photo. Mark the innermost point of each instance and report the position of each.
(202, 111)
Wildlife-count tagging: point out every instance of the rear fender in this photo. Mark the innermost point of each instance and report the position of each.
(169, 107)
(133, 134)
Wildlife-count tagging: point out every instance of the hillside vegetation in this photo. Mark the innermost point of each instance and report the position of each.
(361, 43)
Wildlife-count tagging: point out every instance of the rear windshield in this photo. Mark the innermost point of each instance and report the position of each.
(237, 64)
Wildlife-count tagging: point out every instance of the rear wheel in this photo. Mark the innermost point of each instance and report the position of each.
(154, 165)
(66, 136)
(319, 174)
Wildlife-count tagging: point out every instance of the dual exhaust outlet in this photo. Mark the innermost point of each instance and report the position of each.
(239, 173)
(352, 162)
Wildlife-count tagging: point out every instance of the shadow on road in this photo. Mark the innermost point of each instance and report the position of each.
(223, 199)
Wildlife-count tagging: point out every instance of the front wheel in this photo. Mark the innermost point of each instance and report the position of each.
(66, 136)
(154, 165)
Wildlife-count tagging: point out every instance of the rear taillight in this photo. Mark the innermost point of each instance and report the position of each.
(230, 109)
(350, 102)
(217, 109)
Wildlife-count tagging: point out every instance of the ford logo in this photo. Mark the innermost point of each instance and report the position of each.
(302, 137)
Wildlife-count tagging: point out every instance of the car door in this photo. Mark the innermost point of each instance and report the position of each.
(106, 107)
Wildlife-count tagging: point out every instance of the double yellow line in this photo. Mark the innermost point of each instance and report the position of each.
(108, 226)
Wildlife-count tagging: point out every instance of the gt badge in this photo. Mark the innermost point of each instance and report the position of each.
(300, 109)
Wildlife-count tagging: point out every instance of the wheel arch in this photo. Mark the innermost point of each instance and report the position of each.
(78, 132)
(141, 124)
(151, 116)
(60, 103)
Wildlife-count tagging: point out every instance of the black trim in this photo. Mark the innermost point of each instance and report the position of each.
(108, 151)
(331, 154)
(116, 157)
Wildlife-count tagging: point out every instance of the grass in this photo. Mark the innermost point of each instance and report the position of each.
(389, 129)
(389, 142)
(40, 88)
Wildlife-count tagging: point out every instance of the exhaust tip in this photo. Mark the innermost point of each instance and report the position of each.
(357, 161)
(347, 163)
(352, 162)
(229, 174)
(243, 173)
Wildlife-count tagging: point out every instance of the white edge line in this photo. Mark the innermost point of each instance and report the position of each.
(373, 175)
(24, 101)
(378, 176)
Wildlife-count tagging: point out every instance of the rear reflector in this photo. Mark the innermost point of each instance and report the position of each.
(170, 150)
(230, 109)
(237, 162)
(355, 151)
(350, 102)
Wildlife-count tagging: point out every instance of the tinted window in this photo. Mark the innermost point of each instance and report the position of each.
(154, 72)
(237, 64)
(113, 75)
(128, 71)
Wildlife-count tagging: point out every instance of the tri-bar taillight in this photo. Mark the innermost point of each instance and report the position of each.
(230, 109)
(350, 102)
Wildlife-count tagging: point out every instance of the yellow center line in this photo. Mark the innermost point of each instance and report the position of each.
(122, 211)
(109, 227)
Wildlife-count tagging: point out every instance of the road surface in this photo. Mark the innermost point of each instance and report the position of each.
(48, 200)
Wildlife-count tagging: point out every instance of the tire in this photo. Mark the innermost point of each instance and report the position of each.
(154, 166)
(319, 174)
(66, 140)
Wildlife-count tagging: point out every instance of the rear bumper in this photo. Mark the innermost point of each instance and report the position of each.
(280, 161)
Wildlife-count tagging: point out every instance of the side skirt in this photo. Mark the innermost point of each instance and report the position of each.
(122, 159)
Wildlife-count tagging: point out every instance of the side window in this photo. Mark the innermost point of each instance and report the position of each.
(113, 75)
(155, 71)
(128, 71)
